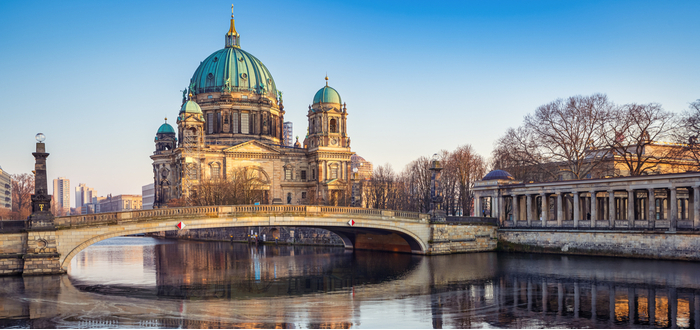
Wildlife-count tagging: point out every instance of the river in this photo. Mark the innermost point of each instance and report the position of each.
(144, 282)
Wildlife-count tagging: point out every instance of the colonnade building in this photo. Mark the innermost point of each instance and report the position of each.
(664, 201)
(232, 119)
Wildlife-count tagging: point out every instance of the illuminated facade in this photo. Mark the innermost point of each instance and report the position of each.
(232, 117)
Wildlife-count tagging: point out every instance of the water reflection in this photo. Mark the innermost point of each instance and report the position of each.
(144, 283)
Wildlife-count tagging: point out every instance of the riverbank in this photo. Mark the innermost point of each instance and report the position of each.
(661, 245)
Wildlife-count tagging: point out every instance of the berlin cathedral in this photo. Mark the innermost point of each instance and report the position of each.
(232, 118)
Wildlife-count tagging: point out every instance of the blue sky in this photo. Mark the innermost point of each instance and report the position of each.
(98, 77)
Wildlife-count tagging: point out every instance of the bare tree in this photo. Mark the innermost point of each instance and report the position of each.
(688, 133)
(22, 191)
(562, 136)
(633, 133)
(469, 167)
(243, 186)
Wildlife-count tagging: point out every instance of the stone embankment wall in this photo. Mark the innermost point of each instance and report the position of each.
(446, 238)
(284, 235)
(654, 245)
(13, 249)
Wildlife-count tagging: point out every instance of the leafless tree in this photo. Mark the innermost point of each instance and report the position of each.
(243, 186)
(562, 136)
(688, 133)
(633, 133)
(22, 191)
(468, 167)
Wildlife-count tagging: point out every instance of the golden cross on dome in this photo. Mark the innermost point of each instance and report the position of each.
(231, 10)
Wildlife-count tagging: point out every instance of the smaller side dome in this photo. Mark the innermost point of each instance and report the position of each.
(327, 94)
(165, 129)
(498, 175)
(190, 107)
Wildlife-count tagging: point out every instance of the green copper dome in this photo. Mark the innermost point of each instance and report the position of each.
(327, 95)
(232, 69)
(165, 128)
(191, 107)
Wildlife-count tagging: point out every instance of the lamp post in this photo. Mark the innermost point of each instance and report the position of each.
(355, 188)
(437, 214)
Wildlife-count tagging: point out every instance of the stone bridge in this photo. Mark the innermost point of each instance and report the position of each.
(50, 251)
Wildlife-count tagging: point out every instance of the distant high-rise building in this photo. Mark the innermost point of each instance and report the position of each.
(61, 193)
(288, 134)
(149, 193)
(84, 195)
(5, 190)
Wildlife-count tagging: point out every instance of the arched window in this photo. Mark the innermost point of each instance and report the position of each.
(214, 170)
(289, 198)
(334, 126)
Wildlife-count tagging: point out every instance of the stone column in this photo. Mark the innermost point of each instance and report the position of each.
(594, 209)
(560, 209)
(611, 208)
(696, 210)
(630, 207)
(577, 205)
(528, 213)
(673, 211)
(545, 209)
(477, 205)
(516, 209)
(501, 200)
(652, 209)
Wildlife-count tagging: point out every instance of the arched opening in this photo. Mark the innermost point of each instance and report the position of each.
(334, 126)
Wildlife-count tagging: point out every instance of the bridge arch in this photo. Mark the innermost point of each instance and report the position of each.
(370, 224)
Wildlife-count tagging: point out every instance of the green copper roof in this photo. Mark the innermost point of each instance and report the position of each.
(165, 128)
(191, 107)
(232, 69)
(327, 95)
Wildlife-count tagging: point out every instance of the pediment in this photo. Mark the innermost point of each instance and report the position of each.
(253, 147)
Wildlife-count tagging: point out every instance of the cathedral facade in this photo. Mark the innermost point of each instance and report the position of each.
(231, 122)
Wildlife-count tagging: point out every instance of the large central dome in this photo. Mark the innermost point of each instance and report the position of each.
(230, 70)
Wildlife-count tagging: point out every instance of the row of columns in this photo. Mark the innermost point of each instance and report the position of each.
(531, 215)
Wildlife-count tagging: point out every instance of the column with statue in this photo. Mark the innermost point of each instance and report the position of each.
(437, 214)
(41, 257)
(41, 217)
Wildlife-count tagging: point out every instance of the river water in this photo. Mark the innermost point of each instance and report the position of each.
(143, 282)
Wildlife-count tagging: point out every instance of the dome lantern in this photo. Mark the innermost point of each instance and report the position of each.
(233, 39)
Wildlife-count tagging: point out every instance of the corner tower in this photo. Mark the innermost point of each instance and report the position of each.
(328, 120)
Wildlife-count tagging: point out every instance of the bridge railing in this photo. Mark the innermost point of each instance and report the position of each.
(233, 211)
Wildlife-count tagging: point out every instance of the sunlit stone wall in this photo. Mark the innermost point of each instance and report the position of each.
(12, 248)
(456, 238)
(679, 245)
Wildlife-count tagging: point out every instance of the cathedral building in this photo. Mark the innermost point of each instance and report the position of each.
(232, 118)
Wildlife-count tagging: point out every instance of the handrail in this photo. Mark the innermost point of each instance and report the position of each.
(232, 210)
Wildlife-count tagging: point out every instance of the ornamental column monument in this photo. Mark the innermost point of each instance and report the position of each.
(41, 217)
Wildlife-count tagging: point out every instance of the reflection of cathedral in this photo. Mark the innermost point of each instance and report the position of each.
(232, 118)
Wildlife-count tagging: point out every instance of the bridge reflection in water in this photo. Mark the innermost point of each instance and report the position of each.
(219, 285)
